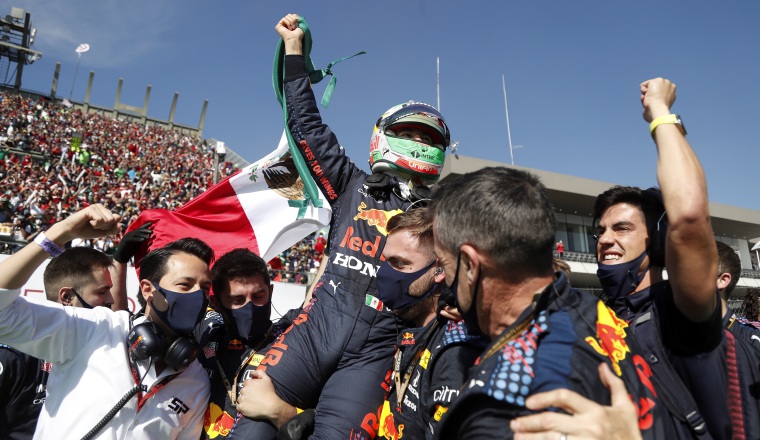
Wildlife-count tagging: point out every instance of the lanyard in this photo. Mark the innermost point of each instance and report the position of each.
(401, 387)
(540, 300)
(232, 387)
(141, 399)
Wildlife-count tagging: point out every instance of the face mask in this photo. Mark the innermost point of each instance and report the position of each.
(184, 310)
(470, 317)
(619, 280)
(81, 300)
(393, 286)
(251, 321)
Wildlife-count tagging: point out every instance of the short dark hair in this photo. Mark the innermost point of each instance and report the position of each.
(418, 222)
(504, 212)
(649, 201)
(237, 263)
(153, 265)
(73, 268)
(728, 262)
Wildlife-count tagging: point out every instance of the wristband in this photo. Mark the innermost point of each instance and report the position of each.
(47, 245)
(667, 119)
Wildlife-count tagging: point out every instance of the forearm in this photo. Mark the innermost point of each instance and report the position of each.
(284, 413)
(119, 290)
(16, 270)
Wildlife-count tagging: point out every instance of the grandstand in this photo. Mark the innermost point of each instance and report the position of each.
(58, 156)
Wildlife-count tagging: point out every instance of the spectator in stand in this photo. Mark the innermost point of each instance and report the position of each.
(60, 160)
(561, 249)
(752, 305)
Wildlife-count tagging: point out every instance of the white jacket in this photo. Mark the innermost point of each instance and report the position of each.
(91, 373)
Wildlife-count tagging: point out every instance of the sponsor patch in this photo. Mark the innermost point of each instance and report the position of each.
(210, 350)
(439, 412)
(373, 302)
(425, 358)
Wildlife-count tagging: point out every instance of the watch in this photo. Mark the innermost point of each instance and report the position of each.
(668, 119)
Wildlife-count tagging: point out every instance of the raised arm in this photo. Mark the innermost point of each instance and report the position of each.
(91, 222)
(690, 253)
(128, 246)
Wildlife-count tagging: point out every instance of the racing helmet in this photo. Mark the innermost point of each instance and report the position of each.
(408, 157)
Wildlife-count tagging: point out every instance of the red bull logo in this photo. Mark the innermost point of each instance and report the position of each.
(235, 344)
(217, 422)
(376, 217)
(388, 428)
(407, 339)
(610, 337)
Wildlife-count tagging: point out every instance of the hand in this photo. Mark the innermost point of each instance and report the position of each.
(131, 242)
(587, 419)
(91, 222)
(258, 400)
(291, 34)
(657, 96)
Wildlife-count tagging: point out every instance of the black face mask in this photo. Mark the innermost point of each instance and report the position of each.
(619, 280)
(81, 300)
(393, 286)
(470, 317)
(251, 321)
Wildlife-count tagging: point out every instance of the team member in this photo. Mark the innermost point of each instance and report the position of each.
(94, 350)
(234, 336)
(340, 349)
(678, 321)
(494, 236)
(23, 378)
(742, 349)
(433, 352)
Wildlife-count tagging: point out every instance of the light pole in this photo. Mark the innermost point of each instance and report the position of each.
(220, 152)
(509, 132)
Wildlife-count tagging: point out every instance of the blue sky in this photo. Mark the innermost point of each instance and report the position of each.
(572, 70)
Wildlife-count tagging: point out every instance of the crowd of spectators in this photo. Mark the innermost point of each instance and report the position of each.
(300, 263)
(56, 160)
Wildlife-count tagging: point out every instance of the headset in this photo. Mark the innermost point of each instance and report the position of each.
(146, 341)
(659, 232)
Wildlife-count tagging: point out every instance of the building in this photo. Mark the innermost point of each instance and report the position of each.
(573, 199)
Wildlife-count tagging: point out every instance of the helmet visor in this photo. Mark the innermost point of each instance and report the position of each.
(424, 116)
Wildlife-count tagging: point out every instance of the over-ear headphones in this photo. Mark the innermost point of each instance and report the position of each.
(146, 341)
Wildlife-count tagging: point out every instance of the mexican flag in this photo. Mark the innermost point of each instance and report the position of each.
(263, 208)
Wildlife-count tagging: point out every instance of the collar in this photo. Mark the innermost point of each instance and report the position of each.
(410, 337)
(636, 301)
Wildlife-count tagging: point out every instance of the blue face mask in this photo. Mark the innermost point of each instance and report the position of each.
(251, 321)
(393, 286)
(184, 310)
(619, 280)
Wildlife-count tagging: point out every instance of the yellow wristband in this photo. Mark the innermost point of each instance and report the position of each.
(667, 119)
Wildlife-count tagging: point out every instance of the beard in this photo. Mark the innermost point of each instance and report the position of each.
(416, 313)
